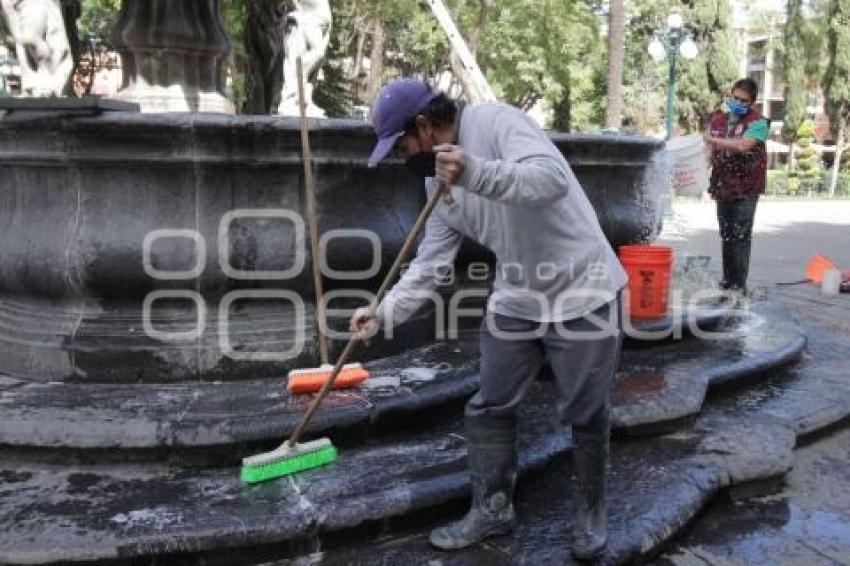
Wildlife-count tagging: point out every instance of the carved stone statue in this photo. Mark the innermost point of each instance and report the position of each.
(41, 44)
(307, 36)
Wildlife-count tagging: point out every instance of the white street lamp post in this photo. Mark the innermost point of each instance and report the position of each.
(670, 43)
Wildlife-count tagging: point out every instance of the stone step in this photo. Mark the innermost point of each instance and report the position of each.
(656, 390)
(103, 511)
(125, 512)
(226, 414)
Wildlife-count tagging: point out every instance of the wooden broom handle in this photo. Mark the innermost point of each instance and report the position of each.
(354, 340)
(312, 216)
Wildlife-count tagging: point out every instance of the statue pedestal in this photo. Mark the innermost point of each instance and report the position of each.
(176, 98)
(172, 54)
(290, 108)
(86, 105)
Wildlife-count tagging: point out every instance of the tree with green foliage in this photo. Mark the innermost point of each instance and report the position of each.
(549, 51)
(722, 55)
(532, 51)
(237, 66)
(644, 80)
(837, 82)
(808, 162)
(701, 82)
(706, 79)
(88, 24)
(794, 66)
(97, 18)
(336, 93)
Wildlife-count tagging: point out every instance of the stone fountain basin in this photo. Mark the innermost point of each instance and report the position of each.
(218, 200)
(81, 194)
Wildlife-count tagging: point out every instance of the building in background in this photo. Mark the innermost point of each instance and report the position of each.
(758, 27)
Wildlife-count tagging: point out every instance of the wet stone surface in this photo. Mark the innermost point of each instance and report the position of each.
(208, 414)
(658, 485)
(99, 511)
(660, 386)
(358, 510)
(661, 383)
(808, 522)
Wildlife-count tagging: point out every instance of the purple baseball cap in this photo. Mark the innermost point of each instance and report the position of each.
(397, 104)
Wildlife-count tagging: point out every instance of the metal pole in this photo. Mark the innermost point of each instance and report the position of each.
(671, 92)
(4, 87)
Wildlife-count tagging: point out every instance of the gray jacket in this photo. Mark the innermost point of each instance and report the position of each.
(518, 197)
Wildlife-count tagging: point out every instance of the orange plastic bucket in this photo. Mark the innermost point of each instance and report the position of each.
(816, 266)
(648, 268)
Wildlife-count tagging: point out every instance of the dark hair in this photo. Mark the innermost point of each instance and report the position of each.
(749, 86)
(441, 111)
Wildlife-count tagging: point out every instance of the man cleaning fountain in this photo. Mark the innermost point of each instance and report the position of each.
(738, 174)
(555, 296)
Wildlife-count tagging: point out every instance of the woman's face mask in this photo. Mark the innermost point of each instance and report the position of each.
(739, 103)
(737, 108)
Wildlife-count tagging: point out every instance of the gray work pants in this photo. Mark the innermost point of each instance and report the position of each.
(583, 368)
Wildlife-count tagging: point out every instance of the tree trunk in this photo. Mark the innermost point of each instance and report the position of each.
(358, 56)
(376, 57)
(795, 71)
(836, 163)
(71, 11)
(476, 33)
(616, 52)
(265, 28)
(562, 111)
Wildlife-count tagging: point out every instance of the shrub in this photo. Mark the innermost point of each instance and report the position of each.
(842, 187)
(777, 182)
(807, 157)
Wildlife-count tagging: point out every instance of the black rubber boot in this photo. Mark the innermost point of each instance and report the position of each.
(492, 467)
(590, 460)
(728, 273)
(740, 268)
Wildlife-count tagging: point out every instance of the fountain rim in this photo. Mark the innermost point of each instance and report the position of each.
(19, 118)
(62, 138)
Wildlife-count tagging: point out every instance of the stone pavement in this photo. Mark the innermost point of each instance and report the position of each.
(808, 522)
(786, 235)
